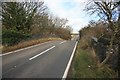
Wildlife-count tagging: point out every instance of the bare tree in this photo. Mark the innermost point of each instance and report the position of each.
(107, 11)
(59, 22)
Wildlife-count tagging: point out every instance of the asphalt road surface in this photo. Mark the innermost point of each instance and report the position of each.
(48, 60)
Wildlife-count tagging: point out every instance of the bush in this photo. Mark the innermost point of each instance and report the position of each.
(88, 32)
(63, 33)
(11, 37)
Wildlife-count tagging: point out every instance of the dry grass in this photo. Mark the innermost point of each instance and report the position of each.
(26, 44)
(83, 66)
(1, 46)
(90, 32)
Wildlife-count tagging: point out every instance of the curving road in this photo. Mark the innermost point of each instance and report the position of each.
(47, 60)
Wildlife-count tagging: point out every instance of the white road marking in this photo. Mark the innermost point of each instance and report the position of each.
(41, 53)
(23, 49)
(62, 42)
(69, 63)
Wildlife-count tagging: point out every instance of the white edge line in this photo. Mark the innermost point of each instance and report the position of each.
(69, 63)
(23, 48)
(62, 42)
(42, 53)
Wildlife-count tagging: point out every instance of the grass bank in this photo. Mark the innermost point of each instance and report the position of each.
(27, 44)
(83, 66)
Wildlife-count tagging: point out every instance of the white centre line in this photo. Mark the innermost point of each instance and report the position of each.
(24, 48)
(41, 53)
(62, 42)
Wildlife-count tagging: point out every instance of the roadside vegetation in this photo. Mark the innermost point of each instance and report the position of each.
(27, 44)
(85, 61)
(97, 53)
(84, 66)
(30, 23)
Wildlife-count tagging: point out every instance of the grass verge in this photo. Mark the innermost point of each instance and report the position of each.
(83, 66)
(27, 44)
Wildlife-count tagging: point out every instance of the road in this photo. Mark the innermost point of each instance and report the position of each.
(48, 60)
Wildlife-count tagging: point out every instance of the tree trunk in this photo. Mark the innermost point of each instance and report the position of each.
(110, 47)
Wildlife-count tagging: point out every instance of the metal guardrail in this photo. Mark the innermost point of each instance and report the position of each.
(94, 38)
(102, 40)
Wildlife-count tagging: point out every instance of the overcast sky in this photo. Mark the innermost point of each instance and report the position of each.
(72, 10)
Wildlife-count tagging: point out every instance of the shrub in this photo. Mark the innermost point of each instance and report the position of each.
(88, 32)
(63, 33)
(11, 37)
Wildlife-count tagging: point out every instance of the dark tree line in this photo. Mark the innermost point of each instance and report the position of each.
(26, 19)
